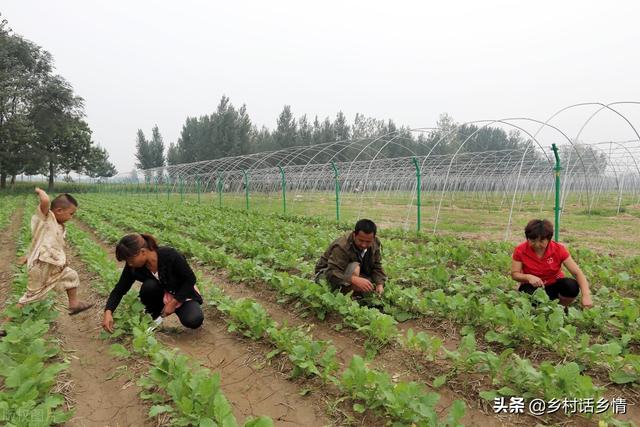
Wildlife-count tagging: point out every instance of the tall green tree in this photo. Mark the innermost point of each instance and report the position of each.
(261, 140)
(190, 140)
(23, 66)
(341, 127)
(226, 132)
(285, 135)
(42, 129)
(173, 155)
(63, 137)
(305, 131)
(143, 151)
(327, 132)
(230, 131)
(156, 148)
(98, 164)
(17, 135)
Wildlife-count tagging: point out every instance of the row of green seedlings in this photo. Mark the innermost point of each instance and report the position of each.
(379, 328)
(406, 403)
(403, 402)
(313, 232)
(613, 316)
(618, 272)
(30, 359)
(175, 384)
(538, 327)
(521, 377)
(8, 205)
(512, 320)
(526, 321)
(389, 292)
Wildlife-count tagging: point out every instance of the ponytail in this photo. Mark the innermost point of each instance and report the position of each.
(131, 244)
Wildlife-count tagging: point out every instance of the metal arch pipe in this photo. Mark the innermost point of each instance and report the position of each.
(489, 122)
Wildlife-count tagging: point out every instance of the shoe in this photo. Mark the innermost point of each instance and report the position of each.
(157, 322)
(3, 333)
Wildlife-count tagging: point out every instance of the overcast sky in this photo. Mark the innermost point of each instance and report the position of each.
(140, 63)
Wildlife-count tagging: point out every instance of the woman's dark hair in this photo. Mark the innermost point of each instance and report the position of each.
(539, 229)
(366, 226)
(131, 244)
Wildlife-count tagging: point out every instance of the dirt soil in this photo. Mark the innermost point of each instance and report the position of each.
(8, 245)
(249, 353)
(91, 385)
(252, 386)
(103, 388)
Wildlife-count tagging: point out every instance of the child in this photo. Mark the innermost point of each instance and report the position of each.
(47, 262)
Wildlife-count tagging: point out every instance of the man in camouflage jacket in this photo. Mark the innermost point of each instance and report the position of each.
(353, 262)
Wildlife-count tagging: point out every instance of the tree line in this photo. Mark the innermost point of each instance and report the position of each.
(229, 132)
(42, 126)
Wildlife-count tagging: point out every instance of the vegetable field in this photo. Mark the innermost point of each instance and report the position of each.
(449, 342)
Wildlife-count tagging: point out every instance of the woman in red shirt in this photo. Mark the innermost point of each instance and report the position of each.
(538, 262)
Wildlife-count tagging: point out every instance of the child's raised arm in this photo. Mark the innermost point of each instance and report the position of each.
(44, 201)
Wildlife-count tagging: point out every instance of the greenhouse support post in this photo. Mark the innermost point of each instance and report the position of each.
(284, 190)
(246, 188)
(220, 181)
(557, 170)
(418, 191)
(336, 176)
(198, 188)
(181, 184)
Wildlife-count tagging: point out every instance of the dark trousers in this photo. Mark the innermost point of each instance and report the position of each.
(565, 287)
(152, 294)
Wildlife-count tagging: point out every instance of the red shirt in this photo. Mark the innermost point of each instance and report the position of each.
(549, 267)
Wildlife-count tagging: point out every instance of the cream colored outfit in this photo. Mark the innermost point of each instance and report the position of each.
(47, 262)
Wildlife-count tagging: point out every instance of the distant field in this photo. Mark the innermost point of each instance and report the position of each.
(592, 221)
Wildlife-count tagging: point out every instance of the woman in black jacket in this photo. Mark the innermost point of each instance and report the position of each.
(168, 283)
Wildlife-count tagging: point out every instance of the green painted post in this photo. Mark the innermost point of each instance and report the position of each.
(557, 170)
(157, 195)
(284, 190)
(220, 184)
(168, 187)
(336, 176)
(418, 190)
(181, 189)
(246, 188)
(198, 188)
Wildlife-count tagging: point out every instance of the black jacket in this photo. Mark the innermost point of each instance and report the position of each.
(176, 277)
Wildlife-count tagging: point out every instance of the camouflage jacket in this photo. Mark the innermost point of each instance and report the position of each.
(343, 251)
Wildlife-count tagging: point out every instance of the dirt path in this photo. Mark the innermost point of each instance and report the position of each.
(252, 386)
(103, 388)
(347, 341)
(97, 399)
(8, 246)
